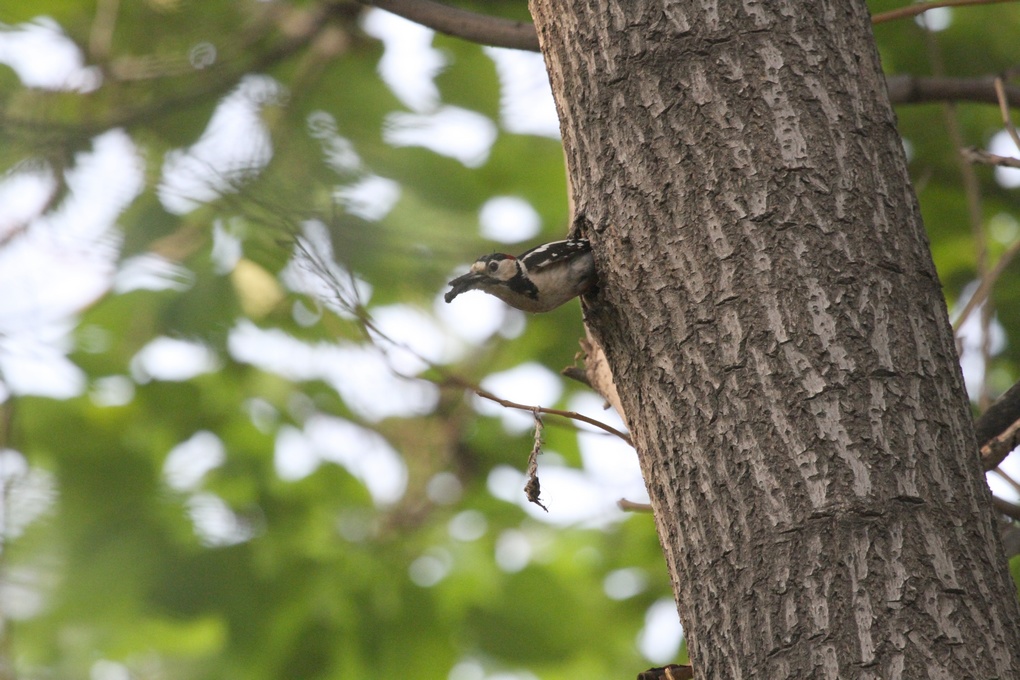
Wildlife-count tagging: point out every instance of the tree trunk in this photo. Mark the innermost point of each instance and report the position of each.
(779, 339)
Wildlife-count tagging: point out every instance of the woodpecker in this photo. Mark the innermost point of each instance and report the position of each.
(536, 281)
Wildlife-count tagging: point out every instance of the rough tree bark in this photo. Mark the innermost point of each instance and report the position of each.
(779, 338)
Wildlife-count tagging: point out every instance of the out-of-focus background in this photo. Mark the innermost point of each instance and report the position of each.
(235, 440)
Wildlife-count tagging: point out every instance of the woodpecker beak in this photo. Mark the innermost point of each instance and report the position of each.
(463, 284)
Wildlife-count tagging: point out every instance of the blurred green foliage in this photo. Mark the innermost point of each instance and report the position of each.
(250, 573)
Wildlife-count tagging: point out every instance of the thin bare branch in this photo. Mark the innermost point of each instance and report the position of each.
(998, 428)
(632, 506)
(979, 156)
(985, 287)
(1007, 120)
(1006, 478)
(999, 416)
(506, 403)
(907, 89)
(576, 373)
(479, 28)
(1000, 446)
(921, 8)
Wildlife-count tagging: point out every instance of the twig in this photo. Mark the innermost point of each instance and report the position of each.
(1011, 510)
(973, 155)
(1000, 446)
(999, 416)
(1007, 120)
(907, 89)
(479, 28)
(533, 489)
(575, 373)
(1006, 478)
(921, 8)
(631, 506)
(986, 284)
(573, 415)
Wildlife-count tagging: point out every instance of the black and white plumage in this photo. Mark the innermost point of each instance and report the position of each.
(539, 280)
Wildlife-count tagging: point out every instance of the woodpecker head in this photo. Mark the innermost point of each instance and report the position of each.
(536, 281)
(487, 273)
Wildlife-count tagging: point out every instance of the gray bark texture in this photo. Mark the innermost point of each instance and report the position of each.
(779, 338)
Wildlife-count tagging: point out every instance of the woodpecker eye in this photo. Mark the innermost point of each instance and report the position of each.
(493, 266)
